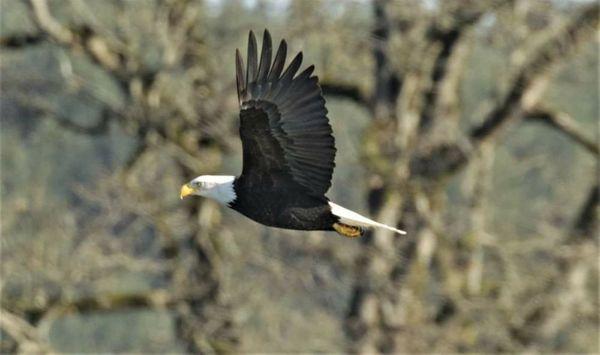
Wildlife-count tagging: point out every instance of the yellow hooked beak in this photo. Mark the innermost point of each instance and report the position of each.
(186, 190)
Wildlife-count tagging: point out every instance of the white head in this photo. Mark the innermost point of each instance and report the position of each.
(217, 187)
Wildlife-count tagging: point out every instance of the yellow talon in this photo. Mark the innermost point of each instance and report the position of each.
(347, 231)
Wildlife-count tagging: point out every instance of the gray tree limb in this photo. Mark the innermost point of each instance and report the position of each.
(529, 82)
(564, 123)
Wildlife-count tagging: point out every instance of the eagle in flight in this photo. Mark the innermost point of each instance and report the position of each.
(288, 149)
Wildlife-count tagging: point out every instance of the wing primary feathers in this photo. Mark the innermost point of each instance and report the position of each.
(283, 119)
(291, 70)
(239, 76)
(306, 72)
(278, 62)
(252, 60)
(265, 58)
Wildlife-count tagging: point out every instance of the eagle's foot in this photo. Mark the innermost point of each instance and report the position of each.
(347, 230)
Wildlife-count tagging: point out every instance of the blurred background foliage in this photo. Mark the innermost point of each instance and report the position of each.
(107, 107)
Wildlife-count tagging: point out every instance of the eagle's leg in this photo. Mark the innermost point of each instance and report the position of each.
(347, 230)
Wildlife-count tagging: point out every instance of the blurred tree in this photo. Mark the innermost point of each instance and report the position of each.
(159, 64)
(501, 255)
(413, 147)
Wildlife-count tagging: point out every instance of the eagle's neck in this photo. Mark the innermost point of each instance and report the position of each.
(220, 188)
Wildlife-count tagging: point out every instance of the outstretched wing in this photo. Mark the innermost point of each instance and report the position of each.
(283, 119)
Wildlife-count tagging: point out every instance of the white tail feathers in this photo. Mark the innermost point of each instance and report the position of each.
(354, 219)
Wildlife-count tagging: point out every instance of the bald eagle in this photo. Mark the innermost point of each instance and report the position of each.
(288, 149)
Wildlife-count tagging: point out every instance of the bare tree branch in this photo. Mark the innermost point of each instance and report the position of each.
(21, 40)
(586, 223)
(46, 22)
(135, 155)
(345, 91)
(523, 95)
(387, 81)
(24, 334)
(564, 124)
(532, 76)
(448, 38)
(81, 39)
